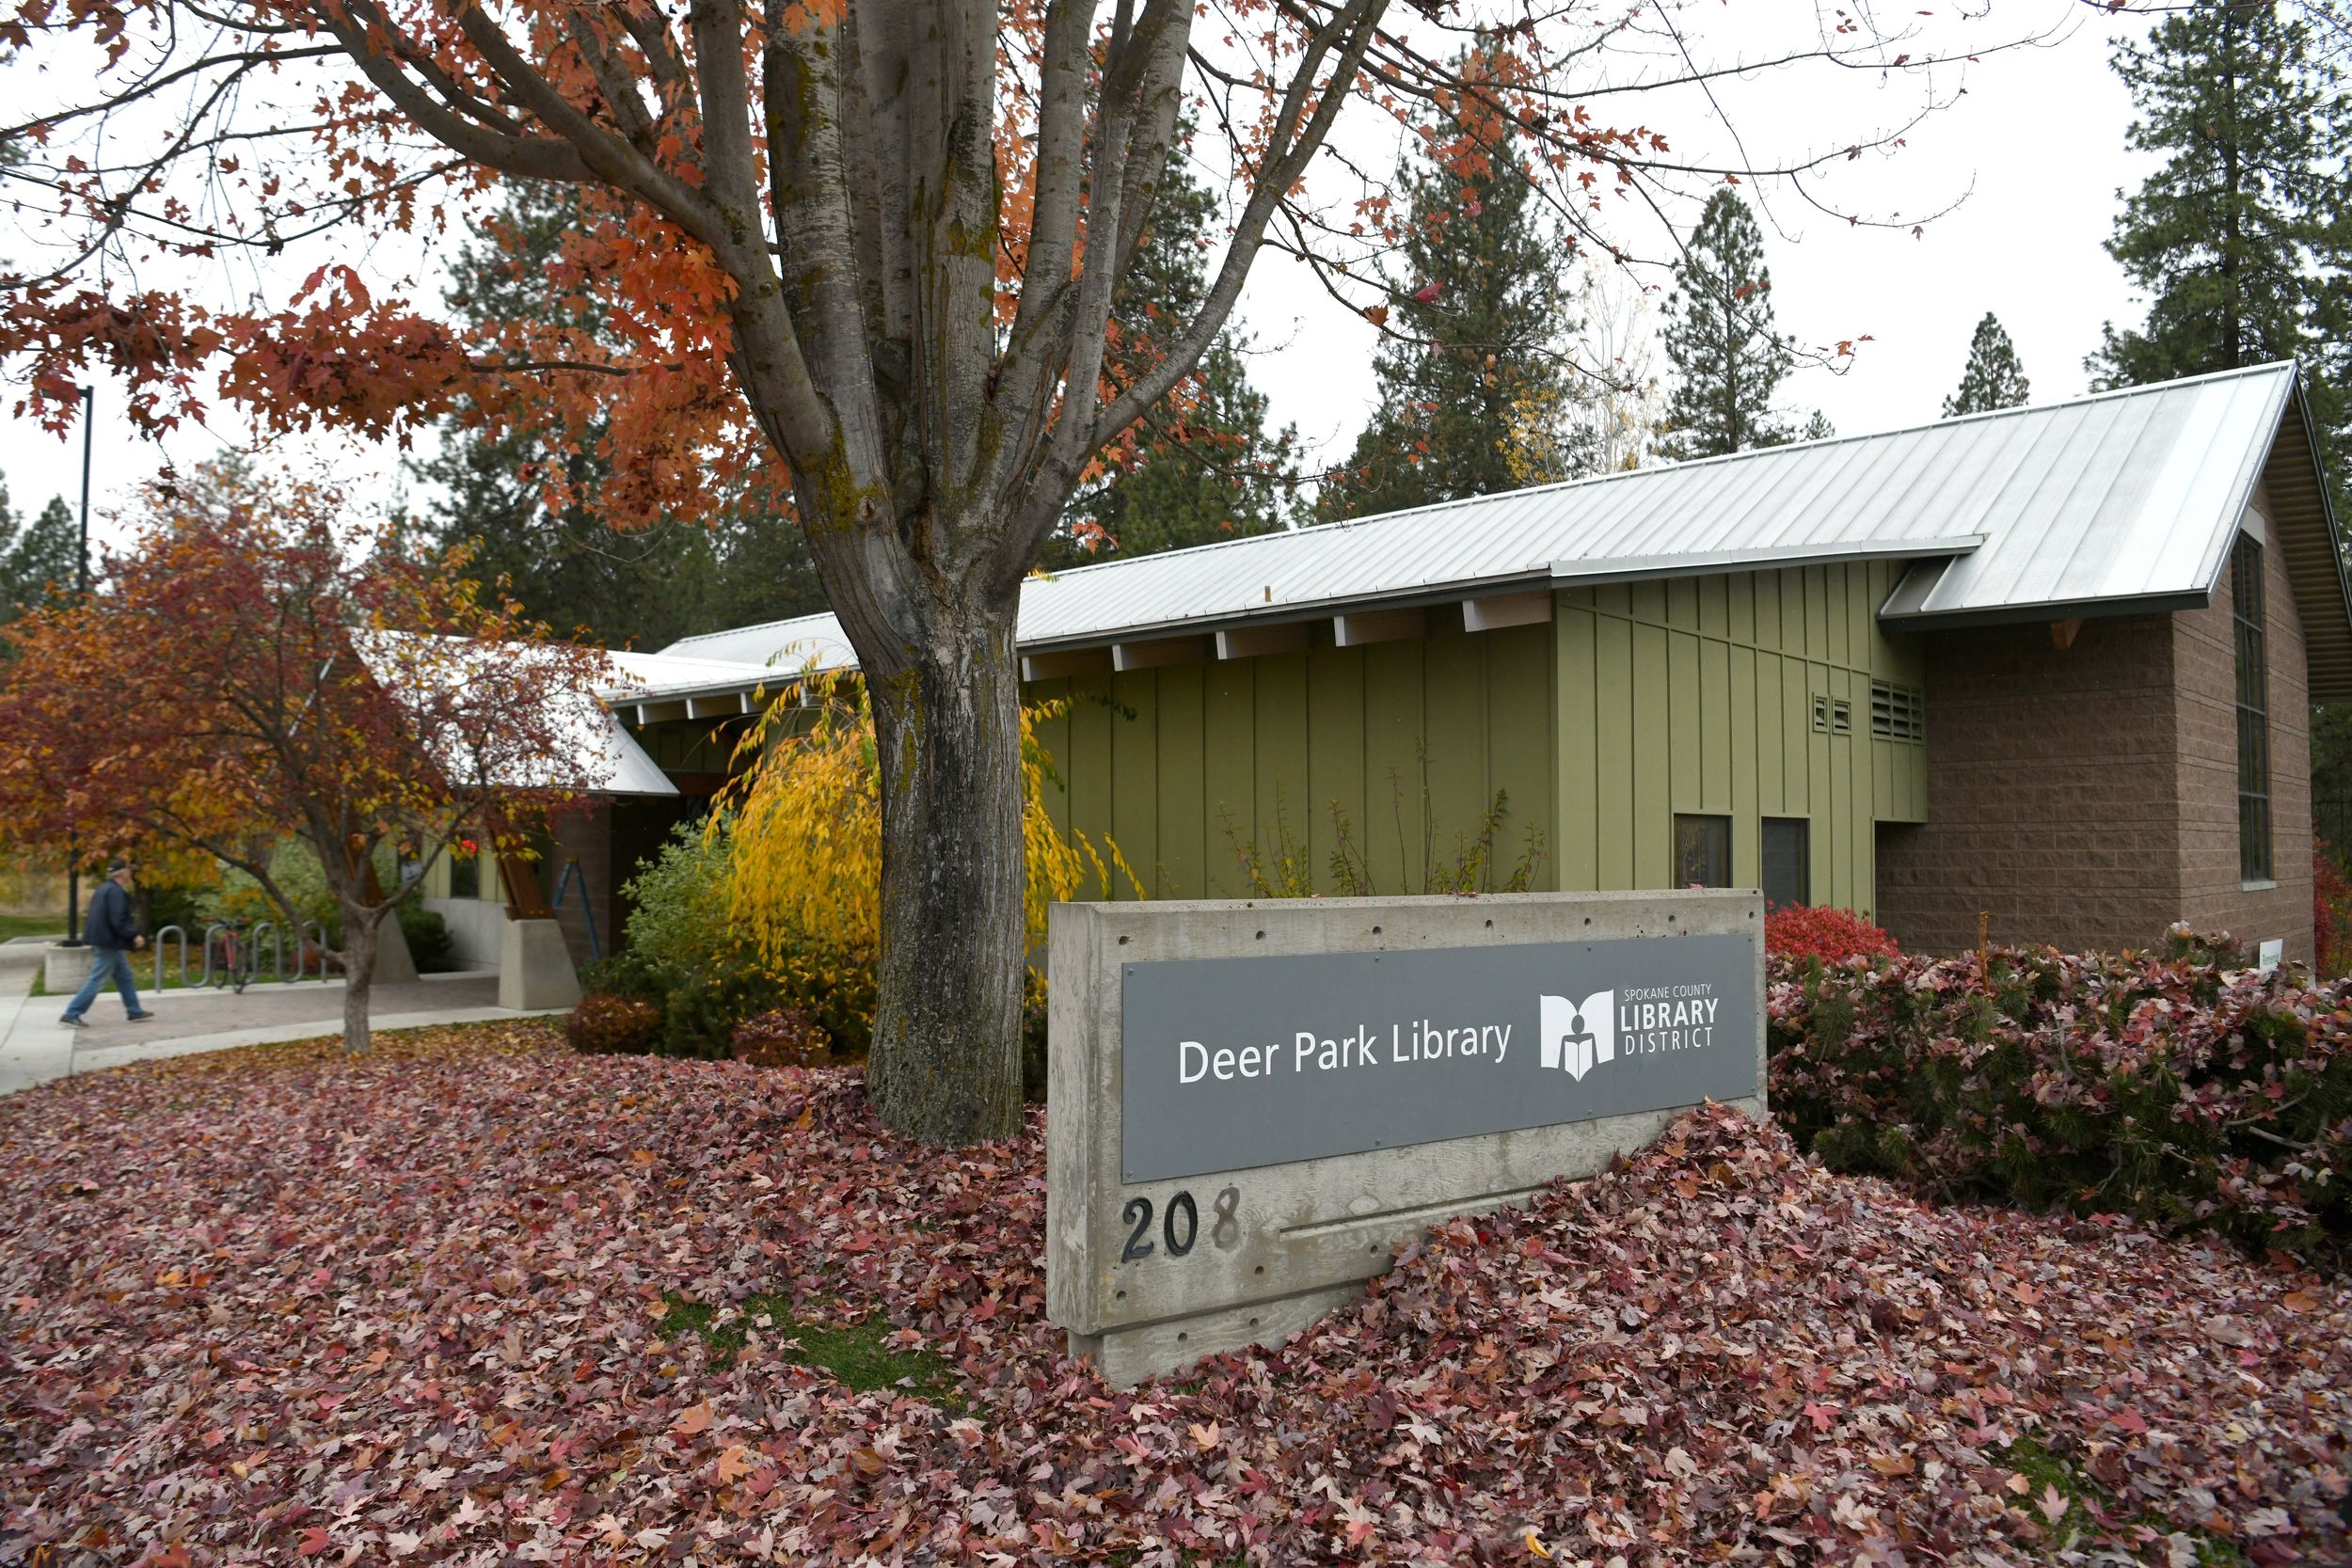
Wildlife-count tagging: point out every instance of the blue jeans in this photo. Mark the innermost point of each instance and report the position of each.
(105, 963)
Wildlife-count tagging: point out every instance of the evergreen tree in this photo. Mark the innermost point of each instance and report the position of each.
(646, 587)
(1474, 390)
(1993, 377)
(1818, 428)
(2239, 238)
(37, 558)
(1728, 355)
(1202, 466)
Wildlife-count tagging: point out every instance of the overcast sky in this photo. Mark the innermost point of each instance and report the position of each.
(2033, 152)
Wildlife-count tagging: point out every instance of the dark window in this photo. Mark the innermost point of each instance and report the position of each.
(1702, 851)
(465, 873)
(1787, 862)
(2253, 714)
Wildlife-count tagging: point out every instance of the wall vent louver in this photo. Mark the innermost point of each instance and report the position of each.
(1898, 712)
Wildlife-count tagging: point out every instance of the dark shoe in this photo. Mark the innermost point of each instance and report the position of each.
(72, 1023)
(137, 1017)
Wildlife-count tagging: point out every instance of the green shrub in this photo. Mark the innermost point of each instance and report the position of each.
(678, 914)
(295, 869)
(176, 906)
(428, 938)
(2178, 1087)
(683, 957)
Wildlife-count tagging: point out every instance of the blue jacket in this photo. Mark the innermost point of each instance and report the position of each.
(112, 922)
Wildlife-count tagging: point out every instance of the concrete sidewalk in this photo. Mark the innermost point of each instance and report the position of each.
(36, 1048)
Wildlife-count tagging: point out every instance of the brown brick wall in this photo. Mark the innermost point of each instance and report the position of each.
(2213, 898)
(2052, 798)
(584, 834)
(2087, 796)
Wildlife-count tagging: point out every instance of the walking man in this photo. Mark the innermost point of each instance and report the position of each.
(112, 931)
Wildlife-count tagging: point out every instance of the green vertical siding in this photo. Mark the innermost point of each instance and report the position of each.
(1696, 695)
(1639, 701)
(1411, 739)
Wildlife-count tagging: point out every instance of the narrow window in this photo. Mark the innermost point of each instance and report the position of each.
(2253, 713)
(465, 873)
(1702, 851)
(1787, 862)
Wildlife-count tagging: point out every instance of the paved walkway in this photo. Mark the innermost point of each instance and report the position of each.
(34, 1047)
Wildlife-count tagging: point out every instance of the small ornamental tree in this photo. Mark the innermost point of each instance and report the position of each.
(252, 669)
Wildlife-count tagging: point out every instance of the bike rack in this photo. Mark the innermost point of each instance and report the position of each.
(160, 936)
(209, 931)
(320, 927)
(277, 948)
(572, 877)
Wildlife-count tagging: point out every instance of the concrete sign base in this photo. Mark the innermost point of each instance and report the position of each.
(535, 970)
(1253, 1103)
(63, 969)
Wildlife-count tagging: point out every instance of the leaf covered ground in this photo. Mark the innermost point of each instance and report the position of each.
(444, 1304)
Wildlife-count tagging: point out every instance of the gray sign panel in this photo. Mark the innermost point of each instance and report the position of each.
(1235, 1063)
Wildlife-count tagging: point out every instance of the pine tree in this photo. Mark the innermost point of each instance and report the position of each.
(1728, 355)
(39, 558)
(1993, 377)
(1202, 466)
(646, 587)
(1475, 395)
(2240, 237)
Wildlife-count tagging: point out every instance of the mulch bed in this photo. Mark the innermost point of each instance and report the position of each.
(276, 1306)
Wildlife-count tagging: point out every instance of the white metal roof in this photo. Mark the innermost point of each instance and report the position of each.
(2128, 499)
(601, 757)
(2123, 499)
(647, 677)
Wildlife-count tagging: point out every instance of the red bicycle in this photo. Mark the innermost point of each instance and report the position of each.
(232, 938)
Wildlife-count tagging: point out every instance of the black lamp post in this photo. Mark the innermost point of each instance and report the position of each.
(81, 587)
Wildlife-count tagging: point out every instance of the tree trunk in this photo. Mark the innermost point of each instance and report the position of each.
(946, 1065)
(358, 972)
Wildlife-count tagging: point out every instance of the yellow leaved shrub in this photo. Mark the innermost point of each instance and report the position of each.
(802, 828)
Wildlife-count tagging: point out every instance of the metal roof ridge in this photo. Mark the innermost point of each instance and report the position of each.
(669, 650)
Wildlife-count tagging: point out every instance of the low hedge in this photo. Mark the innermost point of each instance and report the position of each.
(2178, 1085)
(702, 1004)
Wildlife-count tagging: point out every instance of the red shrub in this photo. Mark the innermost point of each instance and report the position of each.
(2182, 1085)
(2331, 911)
(605, 1024)
(781, 1036)
(1819, 931)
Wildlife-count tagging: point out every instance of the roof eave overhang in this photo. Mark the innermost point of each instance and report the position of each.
(2056, 609)
(1558, 574)
(2327, 658)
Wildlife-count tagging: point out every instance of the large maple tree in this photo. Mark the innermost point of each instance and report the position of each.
(863, 253)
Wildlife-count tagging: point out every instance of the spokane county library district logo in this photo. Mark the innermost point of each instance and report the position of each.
(1582, 1035)
(1236, 1062)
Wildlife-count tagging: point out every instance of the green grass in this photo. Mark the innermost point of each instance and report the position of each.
(143, 975)
(2038, 1465)
(858, 1354)
(31, 925)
